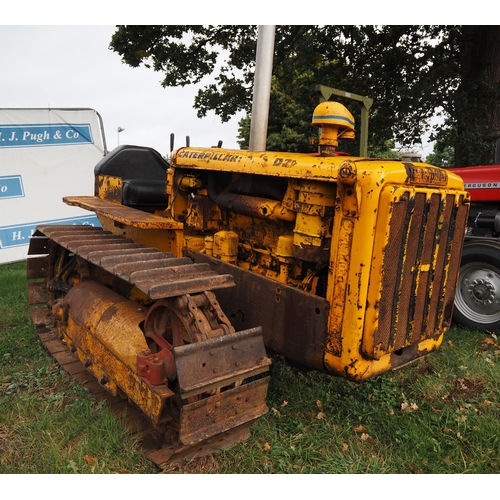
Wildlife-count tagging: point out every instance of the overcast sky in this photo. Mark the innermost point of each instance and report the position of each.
(72, 67)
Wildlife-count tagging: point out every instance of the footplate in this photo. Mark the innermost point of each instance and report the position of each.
(208, 417)
(220, 361)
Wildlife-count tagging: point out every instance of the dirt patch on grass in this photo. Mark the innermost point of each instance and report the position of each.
(466, 388)
(424, 366)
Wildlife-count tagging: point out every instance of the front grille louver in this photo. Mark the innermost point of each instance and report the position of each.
(419, 270)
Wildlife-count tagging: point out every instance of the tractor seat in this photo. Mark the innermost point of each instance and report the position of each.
(143, 172)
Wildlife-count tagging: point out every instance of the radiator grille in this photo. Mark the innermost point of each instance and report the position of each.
(419, 269)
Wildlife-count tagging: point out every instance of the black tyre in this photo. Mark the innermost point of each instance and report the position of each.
(477, 299)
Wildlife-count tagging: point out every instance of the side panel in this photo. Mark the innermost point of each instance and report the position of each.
(293, 323)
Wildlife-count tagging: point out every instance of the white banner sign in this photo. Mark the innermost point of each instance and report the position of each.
(45, 154)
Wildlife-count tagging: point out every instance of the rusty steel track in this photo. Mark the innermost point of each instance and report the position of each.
(152, 442)
(161, 277)
(157, 274)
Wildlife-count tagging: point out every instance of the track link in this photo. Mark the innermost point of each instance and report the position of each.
(190, 424)
(157, 274)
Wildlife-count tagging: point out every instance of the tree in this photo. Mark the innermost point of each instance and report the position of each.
(411, 72)
(476, 111)
(442, 156)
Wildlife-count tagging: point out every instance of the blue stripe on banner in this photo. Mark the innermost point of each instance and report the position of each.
(19, 235)
(11, 186)
(53, 134)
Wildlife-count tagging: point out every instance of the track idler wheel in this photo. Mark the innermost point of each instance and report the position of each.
(173, 323)
(196, 352)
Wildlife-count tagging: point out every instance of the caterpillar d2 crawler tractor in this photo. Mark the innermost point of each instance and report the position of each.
(342, 264)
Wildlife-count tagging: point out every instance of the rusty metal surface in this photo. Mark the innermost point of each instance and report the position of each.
(154, 445)
(455, 241)
(160, 453)
(125, 255)
(85, 248)
(164, 280)
(37, 294)
(166, 289)
(37, 267)
(220, 361)
(104, 329)
(136, 252)
(145, 263)
(171, 324)
(121, 213)
(340, 286)
(425, 232)
(294, 323)
(73, 242)
(39, 244)
(211, 416)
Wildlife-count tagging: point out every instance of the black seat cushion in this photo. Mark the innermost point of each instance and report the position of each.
(144, 192)
(143, 172)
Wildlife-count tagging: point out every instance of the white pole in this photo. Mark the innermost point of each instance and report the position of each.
(118, 134)
(262, 88)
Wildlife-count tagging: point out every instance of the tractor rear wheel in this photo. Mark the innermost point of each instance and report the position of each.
(477, 299)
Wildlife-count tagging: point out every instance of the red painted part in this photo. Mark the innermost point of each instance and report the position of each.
(152, 368)
(482, 182)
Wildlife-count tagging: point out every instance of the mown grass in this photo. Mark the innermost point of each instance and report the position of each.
(48, 422)
(439, 415)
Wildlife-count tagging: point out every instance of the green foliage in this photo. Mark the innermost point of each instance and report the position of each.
(412, 72)
(476, 110)
(185, 54)
(442, 155)
(385, 151)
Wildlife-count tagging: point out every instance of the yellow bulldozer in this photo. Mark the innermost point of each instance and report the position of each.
(208, 264)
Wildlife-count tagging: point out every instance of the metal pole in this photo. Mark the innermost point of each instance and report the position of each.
(262, 88)
(118, 134)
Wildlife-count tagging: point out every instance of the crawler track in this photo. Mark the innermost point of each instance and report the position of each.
(132, 269)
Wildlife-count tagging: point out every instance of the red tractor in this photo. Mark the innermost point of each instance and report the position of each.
(477, 300)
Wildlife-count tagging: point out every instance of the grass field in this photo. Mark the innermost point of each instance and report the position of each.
(439, 415)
